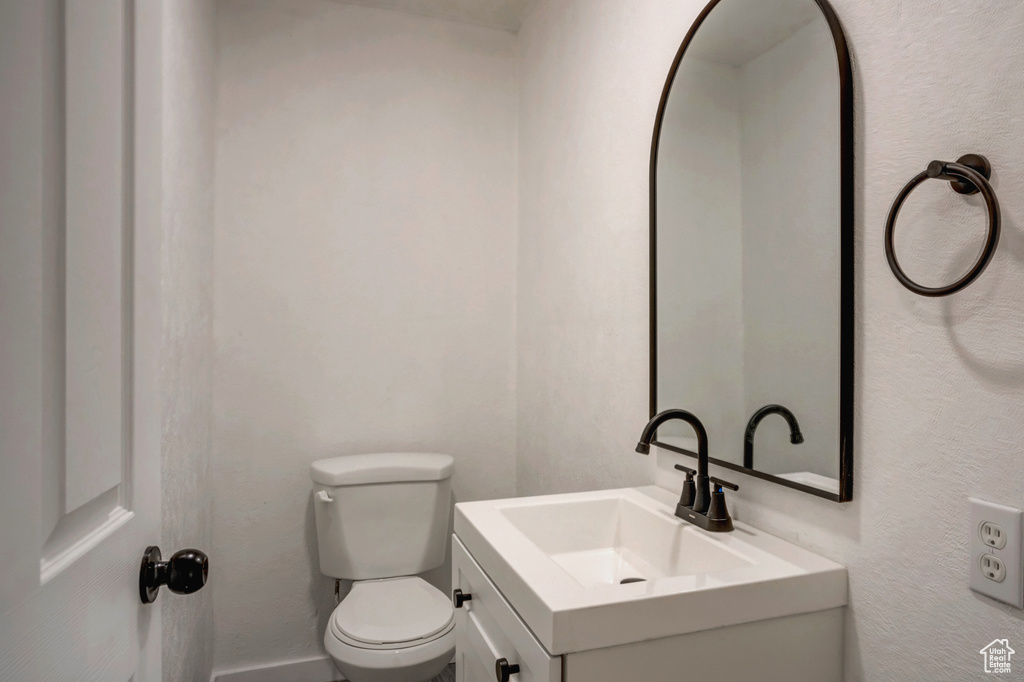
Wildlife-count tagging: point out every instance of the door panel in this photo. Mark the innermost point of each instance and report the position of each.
(97, 331)
(82, 625)
(24, 66)
(86, 494)
(79, 359)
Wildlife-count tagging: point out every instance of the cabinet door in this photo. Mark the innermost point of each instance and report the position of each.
(488, 629)
(476, 653)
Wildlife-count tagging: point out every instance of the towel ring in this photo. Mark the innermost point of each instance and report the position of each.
(969, 175)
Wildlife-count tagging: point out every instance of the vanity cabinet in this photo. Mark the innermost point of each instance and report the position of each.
(488, 628)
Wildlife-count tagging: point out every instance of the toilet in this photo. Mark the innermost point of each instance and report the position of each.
(381, 519)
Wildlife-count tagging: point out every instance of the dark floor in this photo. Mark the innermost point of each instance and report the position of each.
(447, 675)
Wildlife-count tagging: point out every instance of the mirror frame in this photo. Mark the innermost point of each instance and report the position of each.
(846, 259)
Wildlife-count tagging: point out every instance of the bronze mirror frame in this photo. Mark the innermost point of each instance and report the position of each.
(846, 259)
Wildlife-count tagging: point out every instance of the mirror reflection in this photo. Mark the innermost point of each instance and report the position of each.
(748, 247)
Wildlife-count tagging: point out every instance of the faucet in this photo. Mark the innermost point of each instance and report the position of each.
(795, 437)
(696, 503)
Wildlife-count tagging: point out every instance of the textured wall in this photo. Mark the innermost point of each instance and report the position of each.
(365, 282)
(586, 110)
(940, 414)
(504, 14)
(187, 355)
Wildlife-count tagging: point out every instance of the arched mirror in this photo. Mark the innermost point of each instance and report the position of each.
(752, 243)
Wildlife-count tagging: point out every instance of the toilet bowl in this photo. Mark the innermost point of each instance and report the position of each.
(382, 519)
(393, 630)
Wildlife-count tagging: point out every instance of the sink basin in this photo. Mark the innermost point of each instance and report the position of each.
(615, 541)
(603, 568)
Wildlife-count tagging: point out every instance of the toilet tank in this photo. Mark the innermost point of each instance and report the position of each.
(382, 515)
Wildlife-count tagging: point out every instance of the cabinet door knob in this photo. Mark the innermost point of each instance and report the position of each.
(502, 669)
(458, 598)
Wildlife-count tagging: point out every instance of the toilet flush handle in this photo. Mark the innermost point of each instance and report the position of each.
(324, 497)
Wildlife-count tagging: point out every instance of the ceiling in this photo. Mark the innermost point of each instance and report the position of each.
(502, 14)
(736, 32)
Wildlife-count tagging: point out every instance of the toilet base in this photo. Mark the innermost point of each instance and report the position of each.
(418, 663)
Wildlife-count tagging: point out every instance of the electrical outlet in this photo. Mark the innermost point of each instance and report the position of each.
(993, 535)
(993, 568)
(997, 557)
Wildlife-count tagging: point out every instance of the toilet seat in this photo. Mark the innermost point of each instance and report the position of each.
(421, 660)
(394, 613)
(418, 618)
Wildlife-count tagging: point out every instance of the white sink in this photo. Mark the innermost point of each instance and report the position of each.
(561, 561)
(613, 539)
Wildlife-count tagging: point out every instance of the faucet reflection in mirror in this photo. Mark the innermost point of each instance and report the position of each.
(795, 437)
(697, 504)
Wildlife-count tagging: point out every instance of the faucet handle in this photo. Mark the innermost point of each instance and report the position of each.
(718, 513)
(719, 484)
(689, 493)
(690, 473)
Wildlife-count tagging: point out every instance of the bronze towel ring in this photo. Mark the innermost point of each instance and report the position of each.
(969, 175)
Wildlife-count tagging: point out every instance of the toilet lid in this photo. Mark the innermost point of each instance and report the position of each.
(393, 611)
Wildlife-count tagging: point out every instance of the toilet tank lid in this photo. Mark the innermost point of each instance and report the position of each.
(382, 467)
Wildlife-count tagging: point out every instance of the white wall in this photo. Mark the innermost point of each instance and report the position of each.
(365, 263)
(581, 390)
(186, 367)
(939, 382)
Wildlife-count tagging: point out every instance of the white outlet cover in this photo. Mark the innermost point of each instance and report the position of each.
(1011, 521)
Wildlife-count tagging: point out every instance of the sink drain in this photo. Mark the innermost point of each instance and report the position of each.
(626, 581)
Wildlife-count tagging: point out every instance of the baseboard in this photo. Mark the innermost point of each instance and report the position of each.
(317, 669)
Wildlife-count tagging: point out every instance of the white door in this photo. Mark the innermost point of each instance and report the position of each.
(80, 85)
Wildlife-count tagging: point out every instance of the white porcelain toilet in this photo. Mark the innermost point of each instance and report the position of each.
(380, 520)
